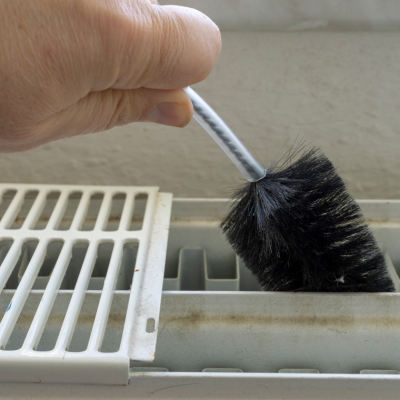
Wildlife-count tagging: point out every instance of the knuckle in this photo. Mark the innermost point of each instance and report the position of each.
(141, 104)
(120, 103)
(129, 106)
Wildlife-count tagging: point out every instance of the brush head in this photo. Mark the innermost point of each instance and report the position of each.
(298, 229)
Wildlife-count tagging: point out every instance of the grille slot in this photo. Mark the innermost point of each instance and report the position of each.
(195, 274)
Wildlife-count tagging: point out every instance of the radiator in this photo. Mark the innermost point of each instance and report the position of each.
(83, 269)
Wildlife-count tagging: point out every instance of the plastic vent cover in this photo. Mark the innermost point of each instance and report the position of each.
(138, 341)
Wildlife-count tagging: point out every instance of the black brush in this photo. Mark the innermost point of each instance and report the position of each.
(295, 226)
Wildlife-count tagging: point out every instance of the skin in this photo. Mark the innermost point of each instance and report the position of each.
(72, 67)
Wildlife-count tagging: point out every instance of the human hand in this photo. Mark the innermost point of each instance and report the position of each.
(71, 67)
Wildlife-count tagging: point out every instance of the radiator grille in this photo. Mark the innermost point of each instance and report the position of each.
(74, 233)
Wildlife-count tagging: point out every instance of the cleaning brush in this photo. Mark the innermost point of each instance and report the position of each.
(295, 226)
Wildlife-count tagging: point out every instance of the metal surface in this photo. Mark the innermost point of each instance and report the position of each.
(26, 363)
(172, 385)
(279, 340)
(226, 139)
(353, 344)
(265, 332)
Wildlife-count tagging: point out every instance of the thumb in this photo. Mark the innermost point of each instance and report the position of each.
(100, 111)
(172, 47)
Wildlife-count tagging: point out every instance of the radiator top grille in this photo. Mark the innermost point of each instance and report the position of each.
(74, 238)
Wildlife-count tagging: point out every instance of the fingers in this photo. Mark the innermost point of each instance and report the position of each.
(93, 64)
(163, 47)
(100, 111)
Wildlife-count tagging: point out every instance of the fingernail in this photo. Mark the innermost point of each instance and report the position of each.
(172, 114)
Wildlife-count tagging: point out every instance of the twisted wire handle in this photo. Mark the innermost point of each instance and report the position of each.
(227, 140)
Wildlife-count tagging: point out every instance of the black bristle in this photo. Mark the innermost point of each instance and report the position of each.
(298, 229)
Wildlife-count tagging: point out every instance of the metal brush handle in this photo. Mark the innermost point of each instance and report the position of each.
(227, 140)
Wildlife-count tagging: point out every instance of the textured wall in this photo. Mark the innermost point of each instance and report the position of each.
(299, 15)
(336, 90)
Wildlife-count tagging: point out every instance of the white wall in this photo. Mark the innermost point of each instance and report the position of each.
(299, 15)
(336, 90)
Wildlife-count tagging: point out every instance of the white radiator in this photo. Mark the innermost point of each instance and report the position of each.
(218, 335)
